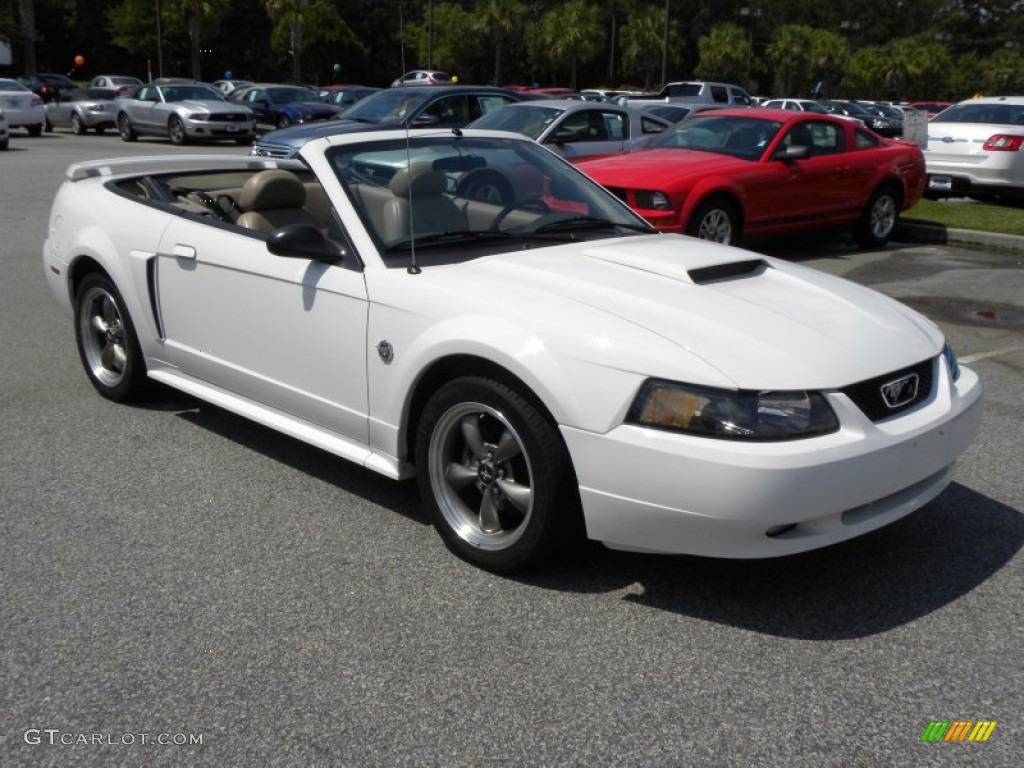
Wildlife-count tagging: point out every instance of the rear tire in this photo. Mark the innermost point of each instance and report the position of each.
(126, 129)
(878, 221)
(495, 476)
(35, 130)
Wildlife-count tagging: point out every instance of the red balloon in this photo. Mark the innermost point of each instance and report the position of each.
(79, 60)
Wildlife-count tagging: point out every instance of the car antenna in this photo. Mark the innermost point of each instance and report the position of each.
(413, 268)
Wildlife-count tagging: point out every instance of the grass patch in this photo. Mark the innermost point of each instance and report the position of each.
(1007, 219)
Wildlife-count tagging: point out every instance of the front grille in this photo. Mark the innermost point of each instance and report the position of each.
(229, 117)
(867, 395)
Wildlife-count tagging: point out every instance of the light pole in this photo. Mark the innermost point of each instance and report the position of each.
(430, 34)
(159, 42)
(751, 14)
(664, 48)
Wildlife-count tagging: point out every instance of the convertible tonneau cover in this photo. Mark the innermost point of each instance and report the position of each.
(136, 165)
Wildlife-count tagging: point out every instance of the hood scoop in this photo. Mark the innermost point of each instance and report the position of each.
(728, 271)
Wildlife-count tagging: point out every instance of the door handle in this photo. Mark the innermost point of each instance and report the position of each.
(183, 251)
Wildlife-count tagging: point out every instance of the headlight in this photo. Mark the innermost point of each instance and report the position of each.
(954, 366)
(735, 415)
(199, 116)
(652, 201)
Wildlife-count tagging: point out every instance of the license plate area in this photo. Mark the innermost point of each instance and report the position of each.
(940, 182)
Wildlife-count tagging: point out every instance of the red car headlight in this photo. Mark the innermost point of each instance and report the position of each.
(652, 200)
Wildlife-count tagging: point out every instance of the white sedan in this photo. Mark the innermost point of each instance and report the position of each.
(976, 148)
(23, 108)
(546, 368)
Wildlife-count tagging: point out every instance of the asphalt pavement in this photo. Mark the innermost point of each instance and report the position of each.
(180, 587)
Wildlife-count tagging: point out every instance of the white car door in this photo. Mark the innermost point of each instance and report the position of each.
(285, 332)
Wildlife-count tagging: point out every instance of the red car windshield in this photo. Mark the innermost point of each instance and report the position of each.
(742, 137)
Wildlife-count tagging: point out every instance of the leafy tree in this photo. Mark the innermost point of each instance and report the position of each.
(790, 53)
(643, 42)
(572, 31)
(724, 54)
(497, 18)
(457, 48)
(310, 33)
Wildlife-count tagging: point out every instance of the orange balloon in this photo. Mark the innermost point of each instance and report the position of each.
(79, 60)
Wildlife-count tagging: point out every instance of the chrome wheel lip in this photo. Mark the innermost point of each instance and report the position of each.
(465, 519)
(101, 328)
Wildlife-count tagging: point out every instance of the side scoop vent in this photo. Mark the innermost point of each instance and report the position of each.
(728, 271)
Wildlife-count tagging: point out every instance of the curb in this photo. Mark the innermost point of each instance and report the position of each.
(924, 232)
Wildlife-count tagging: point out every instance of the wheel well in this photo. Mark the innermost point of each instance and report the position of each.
(80, 270)
(456, 366)
(896, 188)
(726, 197)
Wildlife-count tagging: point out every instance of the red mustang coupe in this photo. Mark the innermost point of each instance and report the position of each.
(742, 173)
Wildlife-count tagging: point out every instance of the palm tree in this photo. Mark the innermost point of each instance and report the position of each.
(790, 53)
(642, 41)
(572, 31)
(724, 54)
(497, 18)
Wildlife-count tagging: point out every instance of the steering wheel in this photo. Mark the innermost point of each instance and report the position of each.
(225, 206)
(535, 202)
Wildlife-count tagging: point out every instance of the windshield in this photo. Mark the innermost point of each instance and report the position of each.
(529, 121)
(992, 114)
(289, 95)
(742, 137)
(390, 106)
(11, 85)
(183, 92)
(452, 197)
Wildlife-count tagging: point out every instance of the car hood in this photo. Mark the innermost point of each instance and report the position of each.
(297, 135)
(210, 105)
(661, 301)
(635, 168)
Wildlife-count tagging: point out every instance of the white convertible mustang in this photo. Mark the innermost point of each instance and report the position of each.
(546, 367)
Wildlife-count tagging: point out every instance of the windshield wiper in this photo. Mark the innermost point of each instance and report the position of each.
(589, 222)
(468, 236)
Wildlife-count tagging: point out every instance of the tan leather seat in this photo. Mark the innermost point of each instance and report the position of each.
(419, 205)
(272, 199)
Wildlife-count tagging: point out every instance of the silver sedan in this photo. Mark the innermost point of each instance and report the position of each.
(183, 112)
(82, 109)
(576, 130)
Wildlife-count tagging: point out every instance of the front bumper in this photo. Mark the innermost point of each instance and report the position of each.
(211, 129)
(654, 491)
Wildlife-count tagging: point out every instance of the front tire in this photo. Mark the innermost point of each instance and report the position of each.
(77, 127)
(495, 476)
(106, 340)
(878, 221)
(35, 131)
(283, 121)
(715, 220)
(126, 129)
(176, 132)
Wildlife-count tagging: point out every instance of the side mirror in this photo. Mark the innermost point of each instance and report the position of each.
(302, 241)
(792, 152)
(564, 136)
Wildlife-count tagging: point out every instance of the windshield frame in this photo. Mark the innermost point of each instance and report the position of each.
(369, 171)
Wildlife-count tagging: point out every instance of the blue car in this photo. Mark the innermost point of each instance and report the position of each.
(442, 106)
(280, 106)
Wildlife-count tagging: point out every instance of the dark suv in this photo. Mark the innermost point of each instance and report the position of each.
(442, 106)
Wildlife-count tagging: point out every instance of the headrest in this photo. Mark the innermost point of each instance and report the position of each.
(268, 190)
(418, 180)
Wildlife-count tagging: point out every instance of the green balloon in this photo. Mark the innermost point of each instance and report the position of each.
(337, 67)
